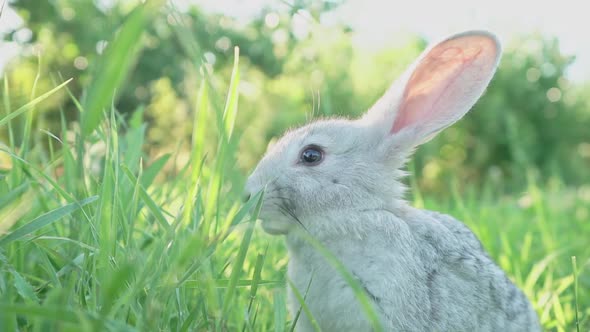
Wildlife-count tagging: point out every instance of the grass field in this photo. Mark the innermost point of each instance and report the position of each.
(94, 237)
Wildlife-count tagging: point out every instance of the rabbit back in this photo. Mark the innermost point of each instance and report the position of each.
(461, 277)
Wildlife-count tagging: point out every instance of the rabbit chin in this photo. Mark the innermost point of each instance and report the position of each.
(276, 226)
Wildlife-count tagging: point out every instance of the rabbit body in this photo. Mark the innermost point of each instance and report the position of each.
(422, 271)
(338, 182)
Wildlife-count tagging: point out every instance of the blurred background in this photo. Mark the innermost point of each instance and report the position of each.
(305, 58)
(515, 169)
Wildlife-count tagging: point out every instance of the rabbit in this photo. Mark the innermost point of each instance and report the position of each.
(339, 182)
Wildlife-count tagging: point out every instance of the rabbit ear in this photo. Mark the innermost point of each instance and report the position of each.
(439, 88)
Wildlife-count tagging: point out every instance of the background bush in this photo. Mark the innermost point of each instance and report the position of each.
(530, 118)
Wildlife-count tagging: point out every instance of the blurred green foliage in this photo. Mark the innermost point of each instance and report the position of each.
(154, 251)
(530, 118)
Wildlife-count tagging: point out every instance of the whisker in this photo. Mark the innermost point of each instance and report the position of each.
(292, 214)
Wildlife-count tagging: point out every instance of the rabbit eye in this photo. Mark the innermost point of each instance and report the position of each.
(311, 155)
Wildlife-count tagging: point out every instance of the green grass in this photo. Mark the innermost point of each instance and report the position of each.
(115, 242)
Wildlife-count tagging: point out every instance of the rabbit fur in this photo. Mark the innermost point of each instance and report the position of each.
(421, 270)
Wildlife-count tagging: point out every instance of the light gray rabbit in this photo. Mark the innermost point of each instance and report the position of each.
(338, 181)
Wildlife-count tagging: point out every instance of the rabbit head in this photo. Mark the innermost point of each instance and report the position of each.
(337, 166)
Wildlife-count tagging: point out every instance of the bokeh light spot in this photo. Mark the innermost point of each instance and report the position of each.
(554, 95)
(80, 63)
(100, 46)
(272, 20)
(533, 74)
(68, 13)
(223, 43)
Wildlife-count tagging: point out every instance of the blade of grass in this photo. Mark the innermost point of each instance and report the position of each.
(116, 63)
(63, 315)
(133, 208)
(152, 170)
(198, 145)
(189, 320)
(280, 314)
(52, 182)
(231, 104)
(303, 306)
(7, 108)
(13, 194)
(536, 272)
(225, 283)
(107, 207)
(241, 257)
(226, 122)
(48, 313)
(30, 105)
(23, 287)
(256, 279)
(114, 286)
(44, 220)
(25, 143)
(149, 202)
(576, 308)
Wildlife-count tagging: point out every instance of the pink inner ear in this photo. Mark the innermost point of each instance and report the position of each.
(441, 79)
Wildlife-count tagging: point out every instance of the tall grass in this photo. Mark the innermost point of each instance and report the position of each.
(105, 242)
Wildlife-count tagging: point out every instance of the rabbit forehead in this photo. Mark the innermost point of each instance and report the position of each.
(333, 135)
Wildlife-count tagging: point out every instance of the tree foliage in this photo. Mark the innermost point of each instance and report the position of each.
(530, 117)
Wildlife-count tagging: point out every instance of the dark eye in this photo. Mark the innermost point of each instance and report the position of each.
(311, 155)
